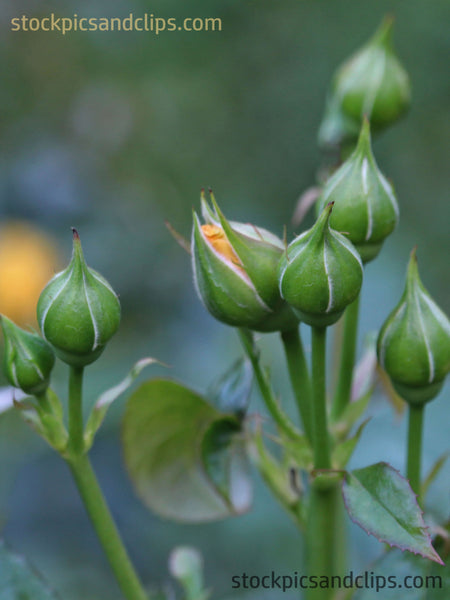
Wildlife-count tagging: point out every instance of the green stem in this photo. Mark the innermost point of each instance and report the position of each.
(93, 498)
(325, 537)
(347, 363)
(44, 405)
(415, 429)
(299, 375)
(321, 443)
(76, 442)
(325, 546)
(105, 527)
(270, 401)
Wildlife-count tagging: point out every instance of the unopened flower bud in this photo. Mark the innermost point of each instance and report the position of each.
(373, 82)
(235, 272)
(28, 359)
(78, 311)
(320, 274)
(365, 207)
(414, 342)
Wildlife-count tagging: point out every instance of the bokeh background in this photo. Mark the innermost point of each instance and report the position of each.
(114, 133)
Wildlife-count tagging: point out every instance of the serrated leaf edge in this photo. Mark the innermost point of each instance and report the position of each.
(434, 556)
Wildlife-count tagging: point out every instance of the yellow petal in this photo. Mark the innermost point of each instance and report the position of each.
(216, 237)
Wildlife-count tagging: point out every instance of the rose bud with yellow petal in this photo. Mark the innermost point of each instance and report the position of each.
(78, 311)
(28, 359)
(414, 342)
(320, 274)
(235, 272)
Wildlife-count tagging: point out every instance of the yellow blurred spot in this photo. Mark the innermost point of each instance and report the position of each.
(28, 260)
(219, 241)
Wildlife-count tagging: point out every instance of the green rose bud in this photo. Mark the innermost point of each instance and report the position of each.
(364, 202)
(78, 311)
(28, 359)
(235, 272)
(414, 342)
(320, 273)
(372, 82)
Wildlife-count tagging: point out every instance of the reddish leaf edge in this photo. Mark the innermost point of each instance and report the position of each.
(434, 556)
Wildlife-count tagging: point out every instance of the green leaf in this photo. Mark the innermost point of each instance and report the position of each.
(344, 450)
(231, 392)
(432, 583)
(183, 455)
(107, 398)
(18, 581)
(220, 448)
(381, 501)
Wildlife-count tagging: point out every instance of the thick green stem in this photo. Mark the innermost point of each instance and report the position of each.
(347, 363)
(321, 443)
(415, 428)
(280, 418)
(93, 498)
(325, 538)
(299, 375)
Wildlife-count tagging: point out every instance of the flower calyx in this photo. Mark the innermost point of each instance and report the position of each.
(414, 343)
(320, 273)
(365, 206)
(28, 359)
(371, 82)
(78, 311)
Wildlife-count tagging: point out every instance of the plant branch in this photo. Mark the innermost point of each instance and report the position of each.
(321, 443)
(92, 495)
(105, 527)
(299, 376)
(345, 377)
(76, 442)
(325, 539)
(415, 429)
(280, 418)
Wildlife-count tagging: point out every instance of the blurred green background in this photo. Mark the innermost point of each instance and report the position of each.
(116, 132)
